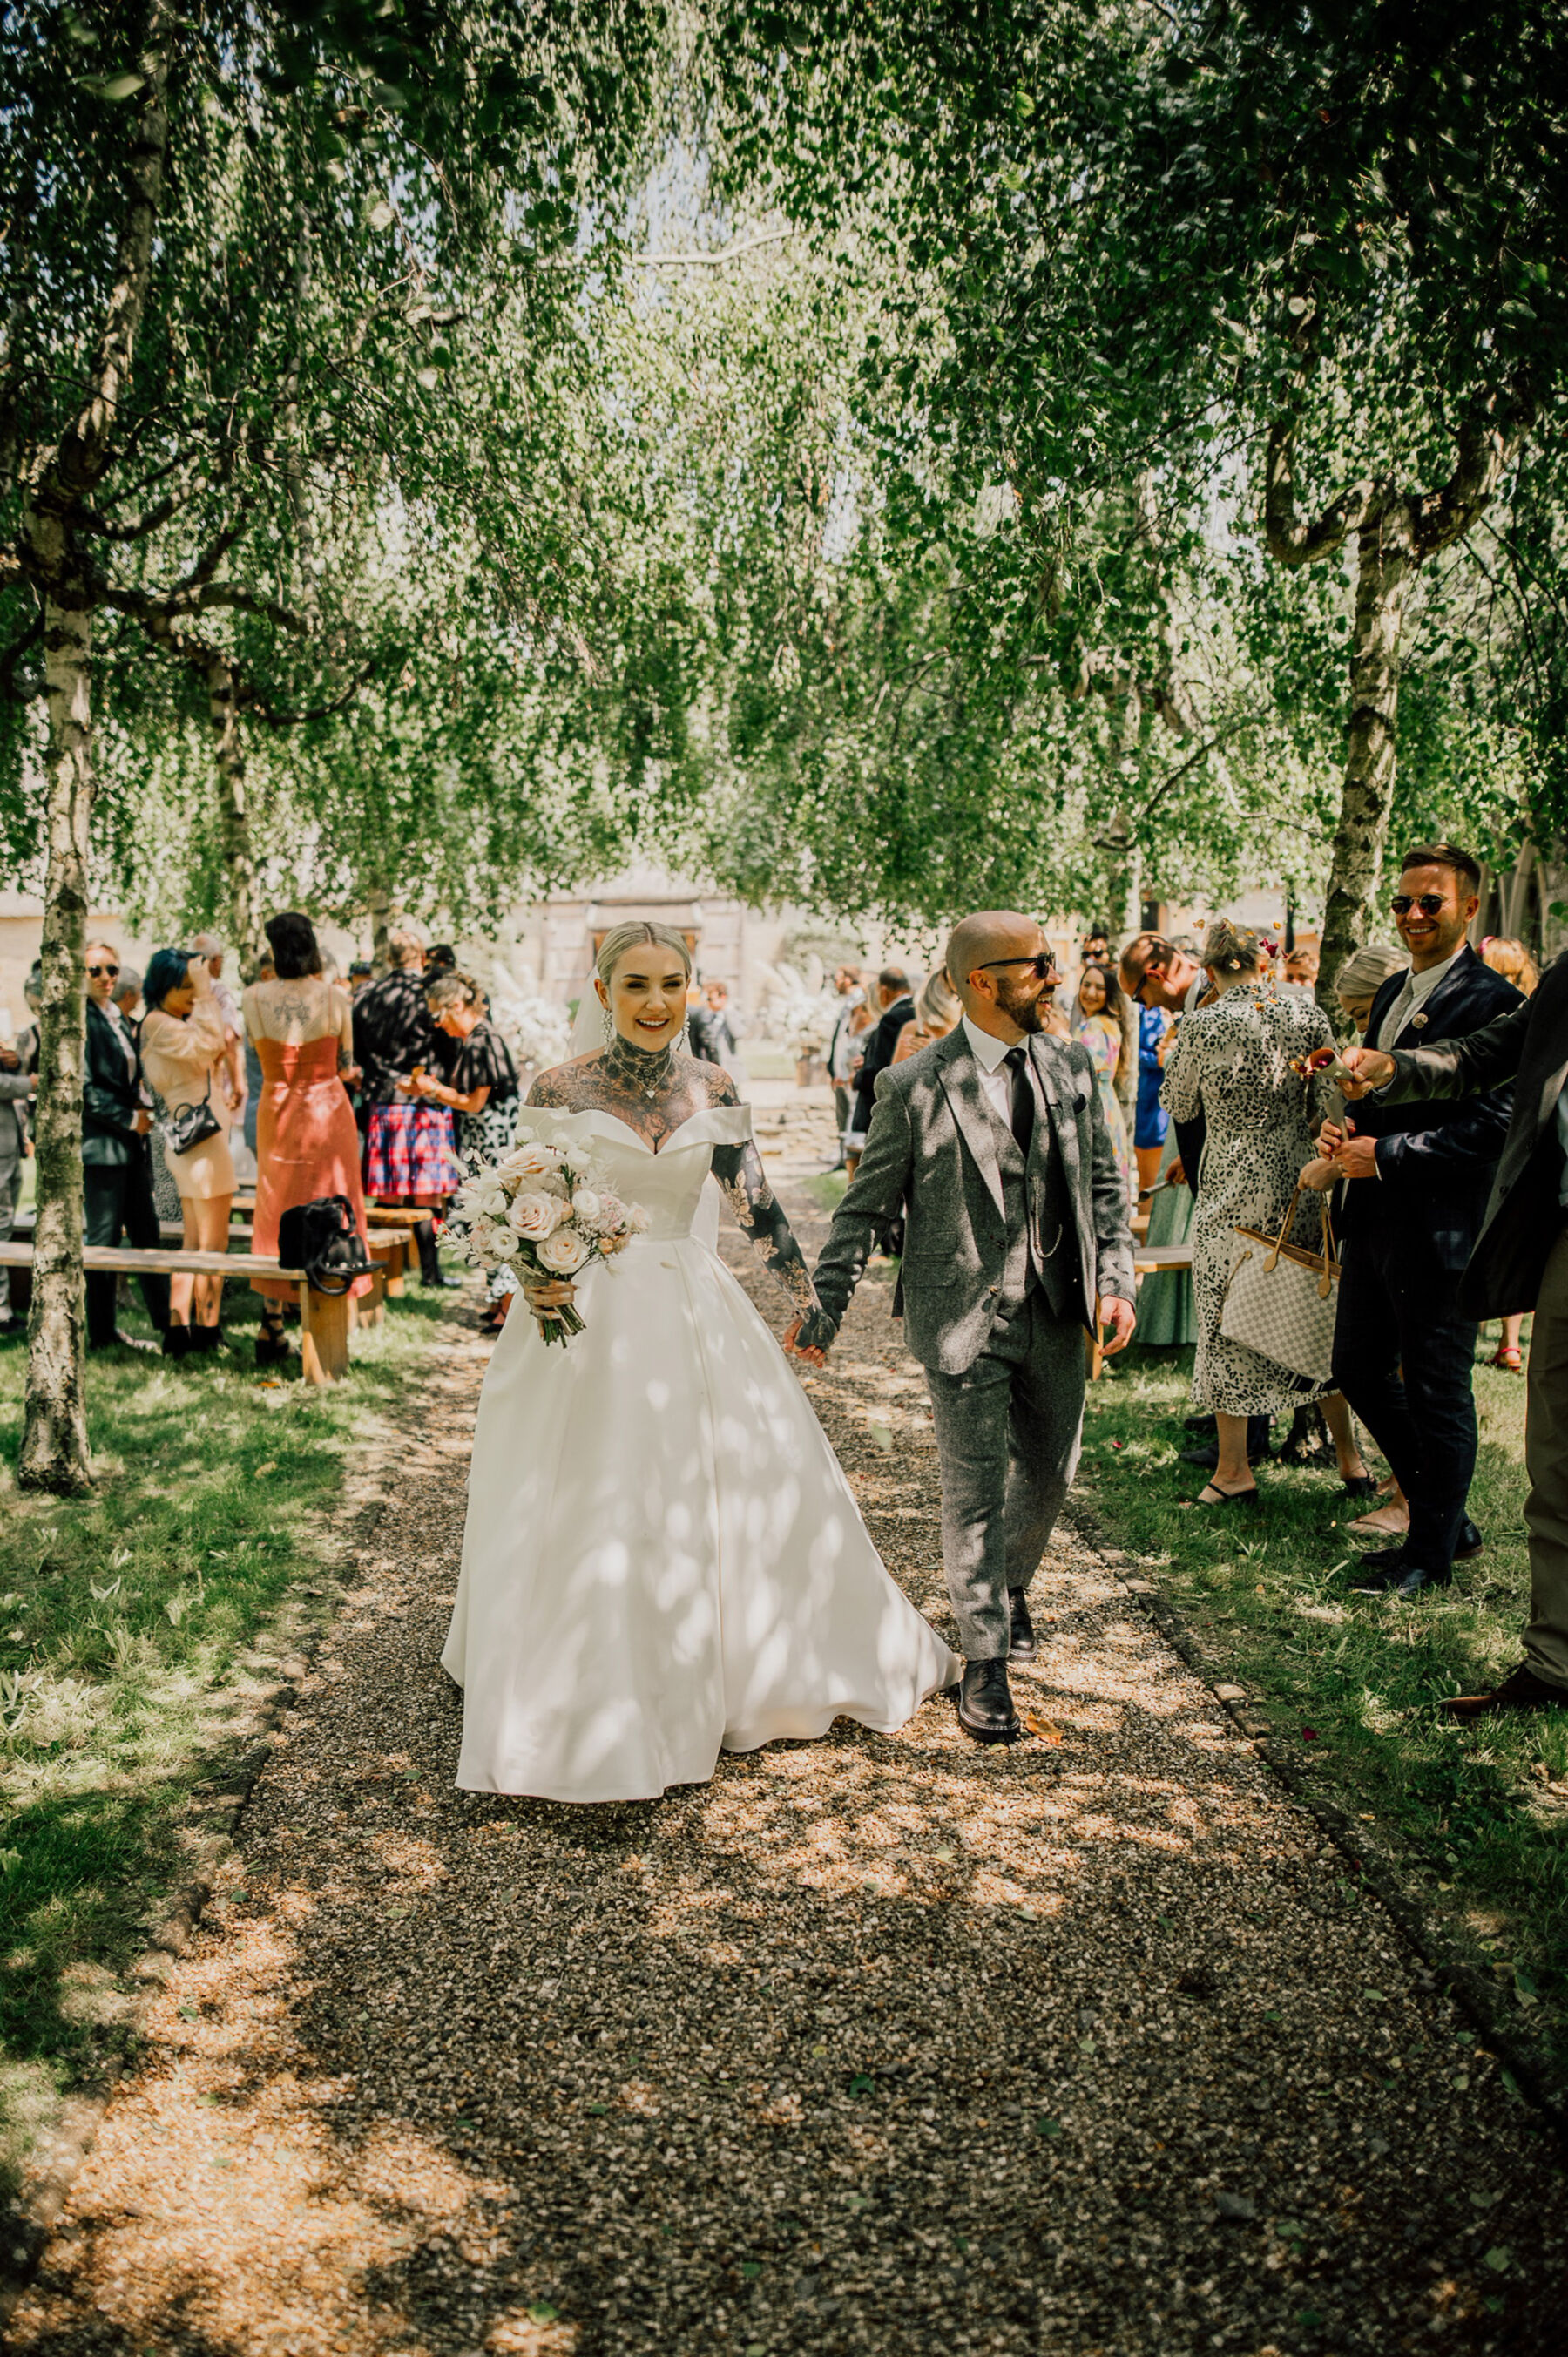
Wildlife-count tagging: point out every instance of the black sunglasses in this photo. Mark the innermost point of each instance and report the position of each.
(1044, 966)
(98, 971)
(1429, 903)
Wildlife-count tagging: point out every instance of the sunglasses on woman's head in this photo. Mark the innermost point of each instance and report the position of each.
(98, 971)
(1429, 903)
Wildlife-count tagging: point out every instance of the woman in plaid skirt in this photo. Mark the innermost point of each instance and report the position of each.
(411, 1151)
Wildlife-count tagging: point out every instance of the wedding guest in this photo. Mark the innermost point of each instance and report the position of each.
(208, 946)
(361, 973)
(1414, 1198)
(1151, 1121)
(481, 1091)
(1096, 1021)
(301, 1028)
(1231, 1062)
(1301, 970)
(1355, 986)
(1520, 1263)
(411, 1154)
(117, 1185)
(185, 1053)
(841, 1049)
(17, 1090)
(936, 1010)
(1155, 972)
(701, 1035)
(1510, 958)
(265, 972)
(894, 1008)
(128, 996)
(722, 1020)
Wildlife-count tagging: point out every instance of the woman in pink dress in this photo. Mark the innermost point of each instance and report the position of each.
(307, 1144)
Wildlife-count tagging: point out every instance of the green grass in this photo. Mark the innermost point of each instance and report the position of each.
(138, 1629)
(1478, 1815)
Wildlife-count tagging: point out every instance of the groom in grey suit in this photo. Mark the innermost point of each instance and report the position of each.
(991, 1144)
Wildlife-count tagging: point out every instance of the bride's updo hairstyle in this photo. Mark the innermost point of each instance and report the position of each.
(1230, 948)
(633, 937)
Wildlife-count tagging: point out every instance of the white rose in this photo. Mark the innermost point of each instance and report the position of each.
(588, 1210)
(535, 1216)
(492, 1239)
(483, 1197)
(563, 1253)
(637, 1220)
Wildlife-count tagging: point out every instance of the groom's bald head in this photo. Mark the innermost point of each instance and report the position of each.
(976, 941)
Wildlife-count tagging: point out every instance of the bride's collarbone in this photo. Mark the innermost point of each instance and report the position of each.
(652, 1117)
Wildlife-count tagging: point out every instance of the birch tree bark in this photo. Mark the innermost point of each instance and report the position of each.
(60, 482)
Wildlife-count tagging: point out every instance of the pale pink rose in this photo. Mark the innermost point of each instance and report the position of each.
(535, 1216)
(637, 1220)
(563, 1253)
(531, 1161)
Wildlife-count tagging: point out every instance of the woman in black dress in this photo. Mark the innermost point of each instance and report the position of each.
(481, 1091)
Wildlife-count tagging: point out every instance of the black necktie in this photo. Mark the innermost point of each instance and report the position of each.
(1021, 1098)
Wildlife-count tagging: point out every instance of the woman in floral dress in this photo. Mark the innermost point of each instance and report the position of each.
(1096, 1021)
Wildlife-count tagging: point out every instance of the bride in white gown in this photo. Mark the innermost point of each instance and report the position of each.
(662, 1558)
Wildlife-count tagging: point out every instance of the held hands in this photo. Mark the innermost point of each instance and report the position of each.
(814, 1354)
(1321, 1174)
(1371, 1067)
(1121, 1318)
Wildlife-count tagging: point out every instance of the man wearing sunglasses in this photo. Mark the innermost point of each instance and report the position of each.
(1418, 1180)
(991, 1145)
(117, 1170)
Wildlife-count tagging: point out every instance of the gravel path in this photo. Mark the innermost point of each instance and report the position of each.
(883, 2044)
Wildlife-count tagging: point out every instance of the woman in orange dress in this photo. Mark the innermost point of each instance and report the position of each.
(307, 1144)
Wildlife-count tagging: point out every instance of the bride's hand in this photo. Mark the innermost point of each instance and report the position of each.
(543, 1294)
(810, 1358)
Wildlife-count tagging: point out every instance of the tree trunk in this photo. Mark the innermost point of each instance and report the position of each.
(379, 907)
(1386, 558)
(239, 852)
(54, 1441)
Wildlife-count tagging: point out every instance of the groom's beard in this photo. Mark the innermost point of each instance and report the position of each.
(1026, 1008)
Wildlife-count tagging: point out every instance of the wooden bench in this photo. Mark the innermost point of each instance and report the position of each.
(325, 1318)
(1148, 1260)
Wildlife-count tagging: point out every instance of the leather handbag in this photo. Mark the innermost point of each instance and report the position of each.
(321, 1238)
(1281, 1300)
(194, 1123)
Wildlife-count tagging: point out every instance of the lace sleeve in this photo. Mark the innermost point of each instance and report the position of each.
(759, 1215)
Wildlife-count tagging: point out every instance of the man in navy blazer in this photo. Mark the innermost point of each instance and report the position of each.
(1417, 1178)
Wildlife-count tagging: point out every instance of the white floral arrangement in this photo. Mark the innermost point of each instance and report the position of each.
(802, 1012)
(538, 1032)
(546, 1208)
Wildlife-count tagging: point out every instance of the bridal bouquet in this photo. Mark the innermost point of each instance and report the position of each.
(547, 1208)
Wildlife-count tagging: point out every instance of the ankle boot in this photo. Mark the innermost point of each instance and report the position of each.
(175, 1342)
(272, 1345)
(430, 1268)
(205, 1339)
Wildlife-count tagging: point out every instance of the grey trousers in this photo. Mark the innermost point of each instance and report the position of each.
(1008, 1431)
(1546, 1461)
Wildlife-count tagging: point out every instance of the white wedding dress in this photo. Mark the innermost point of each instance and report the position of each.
(663, 1558)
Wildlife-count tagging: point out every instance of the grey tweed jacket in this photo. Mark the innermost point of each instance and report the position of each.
(930, 1155)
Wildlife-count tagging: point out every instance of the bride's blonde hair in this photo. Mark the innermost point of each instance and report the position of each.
(637, 935)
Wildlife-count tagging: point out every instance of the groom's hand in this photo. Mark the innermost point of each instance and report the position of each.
(1121, 1318)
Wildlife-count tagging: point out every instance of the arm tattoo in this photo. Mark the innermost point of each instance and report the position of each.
(759, 1216)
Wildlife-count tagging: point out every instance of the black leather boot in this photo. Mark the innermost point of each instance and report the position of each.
(175, 1342)
(206, 1338)
(1024, 1648)
(984, 1702)
(430, 1269)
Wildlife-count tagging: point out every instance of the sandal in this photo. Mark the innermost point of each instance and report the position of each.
(1211, 1495)
(1508, 1358)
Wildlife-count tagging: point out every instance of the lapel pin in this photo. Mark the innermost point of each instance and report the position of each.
(1418, 1022)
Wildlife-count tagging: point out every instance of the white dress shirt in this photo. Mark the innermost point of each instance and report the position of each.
(995, 1077)
(1418, 989)
(117, 1023)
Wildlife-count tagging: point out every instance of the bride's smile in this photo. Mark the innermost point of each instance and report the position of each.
(646, 999)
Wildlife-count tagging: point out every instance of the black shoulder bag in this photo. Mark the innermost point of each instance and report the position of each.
(320, 1238)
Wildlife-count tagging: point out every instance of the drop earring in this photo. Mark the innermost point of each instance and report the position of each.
(608, 1021)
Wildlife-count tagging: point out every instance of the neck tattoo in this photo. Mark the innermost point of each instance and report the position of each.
(645, 1072)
